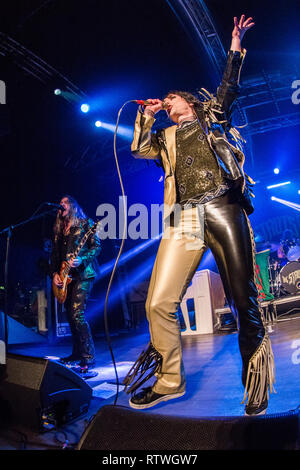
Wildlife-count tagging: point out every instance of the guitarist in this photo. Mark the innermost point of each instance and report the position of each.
(70, 226)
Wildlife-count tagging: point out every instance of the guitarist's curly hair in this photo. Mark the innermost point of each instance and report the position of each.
(75, 216)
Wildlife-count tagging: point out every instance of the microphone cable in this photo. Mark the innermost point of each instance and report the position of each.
(120, 249)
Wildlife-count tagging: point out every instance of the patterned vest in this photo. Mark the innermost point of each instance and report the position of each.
(198, 176)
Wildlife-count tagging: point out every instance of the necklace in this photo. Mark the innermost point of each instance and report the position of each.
(187, 119)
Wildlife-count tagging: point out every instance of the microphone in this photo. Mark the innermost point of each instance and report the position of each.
(57, 206)
(147, 103)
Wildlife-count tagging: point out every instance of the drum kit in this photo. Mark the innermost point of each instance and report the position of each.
(283, 264)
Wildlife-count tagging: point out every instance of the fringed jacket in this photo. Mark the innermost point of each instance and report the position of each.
(89, 267)
(224, 140)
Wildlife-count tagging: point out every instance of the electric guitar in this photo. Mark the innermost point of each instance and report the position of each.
(64, 273)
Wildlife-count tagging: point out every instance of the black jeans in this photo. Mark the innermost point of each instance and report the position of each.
(75, 305)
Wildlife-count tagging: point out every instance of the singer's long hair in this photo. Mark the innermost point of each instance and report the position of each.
(189, 98)
(75, 216)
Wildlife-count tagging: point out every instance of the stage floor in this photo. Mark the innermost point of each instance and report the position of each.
(212, 365)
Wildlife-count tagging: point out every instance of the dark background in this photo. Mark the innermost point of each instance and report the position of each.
(117, 51)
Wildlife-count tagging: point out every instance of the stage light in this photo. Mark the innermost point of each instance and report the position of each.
(292, 205)
(84, 108)
(123, 131)
(107, 267)
(142, 271)
(298, 191)
(57, 91)
(276, 171)
(278, 185)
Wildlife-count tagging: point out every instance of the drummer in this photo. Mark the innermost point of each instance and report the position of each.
(274, 249)
(282, 255)
(289, 247)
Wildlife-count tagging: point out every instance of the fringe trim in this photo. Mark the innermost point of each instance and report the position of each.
(268, 316)
(261, 368)
(149, 359)
(210, 107)
(261, 374)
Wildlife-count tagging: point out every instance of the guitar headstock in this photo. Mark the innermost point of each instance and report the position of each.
(90, 232)
(94, 227)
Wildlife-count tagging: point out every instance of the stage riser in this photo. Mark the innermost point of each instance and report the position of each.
(273, 310)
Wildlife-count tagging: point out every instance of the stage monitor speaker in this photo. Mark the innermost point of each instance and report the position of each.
(18, 333)
(43, 394)
(120, 428)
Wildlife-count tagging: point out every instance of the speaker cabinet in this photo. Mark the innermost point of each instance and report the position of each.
(42, 394)
(120, 428)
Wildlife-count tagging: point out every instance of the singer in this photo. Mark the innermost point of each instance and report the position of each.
(203, 162)
(70, 226)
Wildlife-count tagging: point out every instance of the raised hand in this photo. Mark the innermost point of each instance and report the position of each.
(239, 30)
(241, 26)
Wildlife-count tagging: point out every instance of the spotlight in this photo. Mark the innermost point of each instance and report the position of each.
(98, 123)
(298, 191)
(292, 205)
(57, 91)
(278, 185)
(276, 171)
(85, 108)
(123, 131)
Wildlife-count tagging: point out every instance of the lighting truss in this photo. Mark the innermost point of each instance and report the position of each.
(272, 91)
(265, 89)
(196, 19)
(36, 67)
(257, 92)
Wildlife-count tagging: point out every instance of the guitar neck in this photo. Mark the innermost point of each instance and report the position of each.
(84, 240)
(81, 244)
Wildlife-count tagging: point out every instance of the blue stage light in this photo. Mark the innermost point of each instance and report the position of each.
(278, 185)
(124, 131)
(85, 108)
(292, 205)
(57, 91)
(276, 171)
(142, 272)
(107, 267)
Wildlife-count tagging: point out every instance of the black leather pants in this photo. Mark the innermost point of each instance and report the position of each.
(228, 234)
(75, 305)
